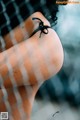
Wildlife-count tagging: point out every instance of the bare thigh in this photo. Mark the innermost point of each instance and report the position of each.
(21, 33)
(20, 99)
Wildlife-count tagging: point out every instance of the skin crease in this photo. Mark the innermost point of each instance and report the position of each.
(37, 55)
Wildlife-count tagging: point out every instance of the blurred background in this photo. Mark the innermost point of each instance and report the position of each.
(62, 92)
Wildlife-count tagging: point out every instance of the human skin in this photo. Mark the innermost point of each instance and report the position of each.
(39, 58)
(25, 105)
(23, 32)
(43, 55)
